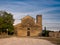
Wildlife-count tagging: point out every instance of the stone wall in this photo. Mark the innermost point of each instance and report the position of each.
(54, 34)
(28, 26)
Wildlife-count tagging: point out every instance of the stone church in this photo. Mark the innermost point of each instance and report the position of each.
(29, 26)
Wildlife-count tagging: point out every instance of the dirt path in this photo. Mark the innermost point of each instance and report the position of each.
(24, 41)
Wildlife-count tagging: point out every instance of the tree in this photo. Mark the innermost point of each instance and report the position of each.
(6, 21)
(45, 32)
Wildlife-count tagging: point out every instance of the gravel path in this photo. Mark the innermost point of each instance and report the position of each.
(24, 41)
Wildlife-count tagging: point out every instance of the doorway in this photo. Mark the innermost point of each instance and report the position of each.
(28, 31)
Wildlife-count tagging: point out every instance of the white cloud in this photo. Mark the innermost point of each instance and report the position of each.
(21, 9)
(18, 15)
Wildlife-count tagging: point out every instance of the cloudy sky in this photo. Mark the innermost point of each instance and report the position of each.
(50, 10)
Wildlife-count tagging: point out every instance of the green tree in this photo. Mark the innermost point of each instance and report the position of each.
(45, 32)
(6, 22)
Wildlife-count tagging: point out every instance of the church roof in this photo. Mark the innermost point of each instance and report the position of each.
(17, 25)
(26, 17)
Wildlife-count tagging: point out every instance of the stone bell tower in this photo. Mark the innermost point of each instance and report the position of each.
(39, 20)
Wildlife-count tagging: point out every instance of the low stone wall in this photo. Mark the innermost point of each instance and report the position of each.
(54, 34)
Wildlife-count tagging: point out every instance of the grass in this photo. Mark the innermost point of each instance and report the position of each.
(53, 40)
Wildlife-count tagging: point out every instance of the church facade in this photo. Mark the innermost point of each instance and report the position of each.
(29, 26)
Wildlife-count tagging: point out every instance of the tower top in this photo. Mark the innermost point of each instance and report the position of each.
(39, 15)
(39, 19)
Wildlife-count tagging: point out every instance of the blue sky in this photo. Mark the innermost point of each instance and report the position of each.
(50, 10)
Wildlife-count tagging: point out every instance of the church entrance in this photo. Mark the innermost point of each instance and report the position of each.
(28, 31)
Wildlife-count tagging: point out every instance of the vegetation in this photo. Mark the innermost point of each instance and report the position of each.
(45, 32)
(6, 22)
(55, 41)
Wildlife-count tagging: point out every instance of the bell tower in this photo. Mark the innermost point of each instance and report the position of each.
(39, 20)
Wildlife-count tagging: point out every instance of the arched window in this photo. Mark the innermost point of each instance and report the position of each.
(28, 28)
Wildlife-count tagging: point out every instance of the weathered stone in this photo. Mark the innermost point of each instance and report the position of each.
(28, 26)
